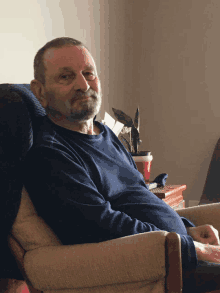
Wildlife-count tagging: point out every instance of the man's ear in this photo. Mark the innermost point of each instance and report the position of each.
(38, 90)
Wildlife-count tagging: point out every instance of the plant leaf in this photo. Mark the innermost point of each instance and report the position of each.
(135, 138)
(137, 120)
(123, 118)
(128, 144)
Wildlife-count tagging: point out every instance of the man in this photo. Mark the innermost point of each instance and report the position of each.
(81, 179)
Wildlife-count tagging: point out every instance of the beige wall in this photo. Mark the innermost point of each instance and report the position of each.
(179, 87)
(162, 55)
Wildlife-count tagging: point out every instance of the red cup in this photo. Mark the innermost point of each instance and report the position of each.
(143, 164)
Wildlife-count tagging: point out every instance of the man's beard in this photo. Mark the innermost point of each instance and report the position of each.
(89, 107)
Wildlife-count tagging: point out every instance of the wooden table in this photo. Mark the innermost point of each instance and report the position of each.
(172, 195)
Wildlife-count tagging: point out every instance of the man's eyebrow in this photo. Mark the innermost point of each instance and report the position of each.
(65, 68)
(89, 67)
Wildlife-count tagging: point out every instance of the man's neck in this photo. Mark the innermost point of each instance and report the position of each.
(87, 127)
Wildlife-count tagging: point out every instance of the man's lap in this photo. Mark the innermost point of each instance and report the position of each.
(205, 278)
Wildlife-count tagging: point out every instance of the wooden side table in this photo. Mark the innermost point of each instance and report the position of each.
(172, 195)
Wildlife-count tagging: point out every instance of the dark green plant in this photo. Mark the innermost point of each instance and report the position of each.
(133, 125)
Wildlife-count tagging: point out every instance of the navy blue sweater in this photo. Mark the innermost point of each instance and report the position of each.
(88, 189)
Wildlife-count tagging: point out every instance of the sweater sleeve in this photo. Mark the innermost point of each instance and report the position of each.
(67, 199)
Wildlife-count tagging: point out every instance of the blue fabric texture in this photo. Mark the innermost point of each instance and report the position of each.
(203, 279)
(88, 189)
(33, 105)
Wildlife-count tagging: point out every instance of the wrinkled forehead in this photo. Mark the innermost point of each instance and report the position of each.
(76, 57)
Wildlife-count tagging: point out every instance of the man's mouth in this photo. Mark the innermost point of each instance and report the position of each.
(85, 97)
(82, 98)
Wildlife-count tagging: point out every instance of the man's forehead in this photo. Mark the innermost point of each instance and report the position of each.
(68, 56)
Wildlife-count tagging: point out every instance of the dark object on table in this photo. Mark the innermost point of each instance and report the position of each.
(161, 179)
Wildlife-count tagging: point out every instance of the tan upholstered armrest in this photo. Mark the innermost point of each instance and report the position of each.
(124, 260)
(203, 214)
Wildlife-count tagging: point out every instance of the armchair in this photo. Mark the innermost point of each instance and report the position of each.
(129, 264)
(147, 262)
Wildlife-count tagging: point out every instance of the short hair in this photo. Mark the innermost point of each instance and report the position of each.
(39, 68)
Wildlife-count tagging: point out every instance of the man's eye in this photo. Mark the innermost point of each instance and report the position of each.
(66, 77)
(90, 75)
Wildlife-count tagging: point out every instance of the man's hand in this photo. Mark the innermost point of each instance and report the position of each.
(206, 234)
(207, 252)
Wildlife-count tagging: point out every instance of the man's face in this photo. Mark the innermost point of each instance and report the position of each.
(72, 87)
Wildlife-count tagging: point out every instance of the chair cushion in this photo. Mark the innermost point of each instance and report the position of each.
(29, 229)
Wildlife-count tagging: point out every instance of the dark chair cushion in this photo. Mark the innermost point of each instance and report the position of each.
(16, 135)
(34, 107)
(19, 110)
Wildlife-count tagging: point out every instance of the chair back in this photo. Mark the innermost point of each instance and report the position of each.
(211, 190)
(19, 113)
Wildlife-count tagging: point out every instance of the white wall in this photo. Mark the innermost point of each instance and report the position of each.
(22, 31)
(26, 25)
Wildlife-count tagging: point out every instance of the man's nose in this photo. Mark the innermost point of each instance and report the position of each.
(81, 84)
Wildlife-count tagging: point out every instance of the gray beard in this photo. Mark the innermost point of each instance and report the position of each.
(90, 110)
